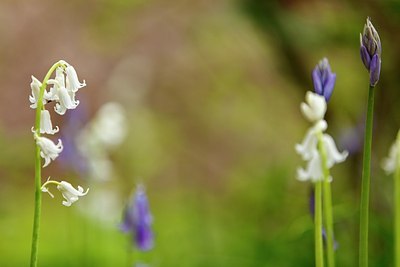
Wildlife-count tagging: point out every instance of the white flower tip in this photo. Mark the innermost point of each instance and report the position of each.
(314, 108)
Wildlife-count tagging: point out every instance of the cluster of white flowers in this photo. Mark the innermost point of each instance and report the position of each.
(314, 111)
(63, 90)
(104, 133)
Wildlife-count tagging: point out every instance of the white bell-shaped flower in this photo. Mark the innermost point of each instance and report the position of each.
(309, 152)
(45, 123)
(310, 141)
(73, 82)
(313, 172)
(69, 193)
(35, 86)
(65, 100)
(390, 163)
(314, 108)
(48, 150)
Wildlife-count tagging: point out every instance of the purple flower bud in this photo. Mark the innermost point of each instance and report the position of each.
(324, 79)
(138, 220)
(371, 51)
(374, 70)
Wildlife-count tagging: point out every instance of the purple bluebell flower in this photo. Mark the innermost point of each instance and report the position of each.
(138, 220)
(371, 51)
(324, 79)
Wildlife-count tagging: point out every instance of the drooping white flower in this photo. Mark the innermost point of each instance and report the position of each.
(390, 163)
(65, 100)
(310, 141)
(73, 82)
(309, 152)
(45, 123)
(35, 86)
(314, 111)
(314, 108)
(48, 150)
(70, 194)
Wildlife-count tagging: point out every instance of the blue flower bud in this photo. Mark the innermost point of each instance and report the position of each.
(371, 51)
(324, 79)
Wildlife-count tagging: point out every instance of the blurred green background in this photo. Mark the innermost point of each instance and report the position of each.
(211, 91)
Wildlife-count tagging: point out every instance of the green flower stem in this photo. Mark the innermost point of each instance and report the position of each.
(365, 183)
(319, 253)
(38, 168)
(397, 206)
(327, 201)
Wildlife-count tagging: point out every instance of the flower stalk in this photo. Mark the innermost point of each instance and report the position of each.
(38, 169)
(319, 252)
(397, 205)
(366, 181)
(327, 201)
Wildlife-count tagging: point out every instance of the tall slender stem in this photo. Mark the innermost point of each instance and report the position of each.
(38, 168)
(319, 253)
(327, 202)
(397, 207)
(365, 183)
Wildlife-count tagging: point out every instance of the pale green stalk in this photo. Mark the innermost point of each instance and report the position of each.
(327, 201)
(397, 206)
(38, 168)
(365, 183)
(319, 253)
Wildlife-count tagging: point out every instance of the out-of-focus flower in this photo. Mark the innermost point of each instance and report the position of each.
(69, 193)
(138, 220)
(323, 79)
(391, 163)
(45, 123)
(105, 132)
(371, 51)
(308, 149)
(48, 150)
(314, 108)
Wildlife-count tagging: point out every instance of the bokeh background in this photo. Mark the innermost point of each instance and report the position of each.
(211, 93)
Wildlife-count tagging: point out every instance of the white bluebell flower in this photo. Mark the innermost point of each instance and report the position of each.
(69, 193)
(35, 86)
(314, 107)
(46, 126)
(390, 163)
(48, 150)
(314, 110)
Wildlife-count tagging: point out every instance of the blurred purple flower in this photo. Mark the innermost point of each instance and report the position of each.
(324, 79)
(71, 158)
(371, 51)
(138, 220)
(312, 211)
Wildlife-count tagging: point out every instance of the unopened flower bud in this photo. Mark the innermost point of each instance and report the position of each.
(323, 79)
(371, 51)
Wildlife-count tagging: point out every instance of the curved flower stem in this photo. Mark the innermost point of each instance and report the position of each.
(38, 168)
(327, 201)
(365, 183)
(397, 207)
(319, 253)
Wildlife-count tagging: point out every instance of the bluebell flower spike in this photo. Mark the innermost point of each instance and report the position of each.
(138, 220)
